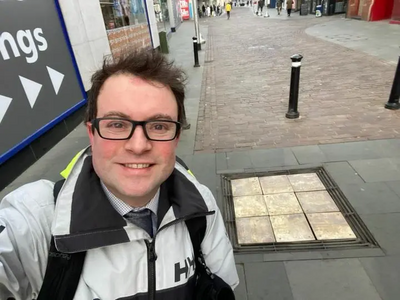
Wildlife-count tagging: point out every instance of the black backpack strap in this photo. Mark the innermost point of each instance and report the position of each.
(196, 226)
(63, 270)
(197, 230)
(57, 188)
(180, 161)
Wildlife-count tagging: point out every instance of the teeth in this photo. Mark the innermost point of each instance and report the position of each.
(137, 166)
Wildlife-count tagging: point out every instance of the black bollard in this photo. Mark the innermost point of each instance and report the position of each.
(394, 97)
(294, 87)
(196, 53)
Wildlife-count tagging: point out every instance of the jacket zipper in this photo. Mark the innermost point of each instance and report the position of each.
(152, 256)
(151, 268)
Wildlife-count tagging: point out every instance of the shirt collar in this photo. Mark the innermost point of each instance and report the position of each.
(122, 208)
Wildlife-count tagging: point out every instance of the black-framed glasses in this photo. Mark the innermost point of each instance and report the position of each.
(122, 129)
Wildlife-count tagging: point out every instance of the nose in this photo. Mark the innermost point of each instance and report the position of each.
(138, 143)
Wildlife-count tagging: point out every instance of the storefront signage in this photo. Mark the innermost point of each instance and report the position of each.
(38, 82)
(185, 9)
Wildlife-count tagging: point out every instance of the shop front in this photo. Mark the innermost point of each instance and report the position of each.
(329, 7)
(126, 24)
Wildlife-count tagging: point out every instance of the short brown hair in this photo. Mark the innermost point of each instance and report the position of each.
(149, 65)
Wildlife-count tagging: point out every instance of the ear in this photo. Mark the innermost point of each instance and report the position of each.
(178, 137)
(90, 131)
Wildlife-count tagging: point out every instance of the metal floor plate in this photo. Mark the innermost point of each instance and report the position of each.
(289, 211)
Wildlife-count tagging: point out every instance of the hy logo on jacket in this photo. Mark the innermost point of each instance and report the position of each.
(184, 268)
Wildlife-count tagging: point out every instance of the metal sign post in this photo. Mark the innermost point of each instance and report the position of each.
(196, 24)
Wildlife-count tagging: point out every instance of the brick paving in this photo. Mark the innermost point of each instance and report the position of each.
(246, 79)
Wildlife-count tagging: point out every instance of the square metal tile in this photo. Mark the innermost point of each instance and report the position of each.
(250, 206)
(275, 184)
(246, 187)
(306, 182)
(282, 204)
(317, 202)
(255, 230)
(291, 228)
(330, 226)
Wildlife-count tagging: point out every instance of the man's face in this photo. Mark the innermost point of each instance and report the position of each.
(116, 161)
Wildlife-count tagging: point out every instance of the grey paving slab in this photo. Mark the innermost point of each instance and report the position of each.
(238, 160)
(384, 272)
(385, 229)
(241, 290)
(203, 167)
(309, 154)
(185, 146)
(372, 198)
(352, 253)
(204, 162)
(283, 168)
(187, 159)
(330, 280)
(394, 186)
(387, 148)
(267, 280)
(232, 171)
(221, 162)
(272, 158)
(349, 151)
(377, 170)
(374, 38)
(248, 258)
(323, 254)
(342, 173)
(287, 256)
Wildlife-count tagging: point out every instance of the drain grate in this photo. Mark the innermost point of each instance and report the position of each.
(364, 239)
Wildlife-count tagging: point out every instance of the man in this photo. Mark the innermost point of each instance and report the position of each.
(260, 7)
(125, 201)
(289, 6)
(228, 8)
(279, 6)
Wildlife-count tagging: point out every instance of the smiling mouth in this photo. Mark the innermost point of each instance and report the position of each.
(137, 166)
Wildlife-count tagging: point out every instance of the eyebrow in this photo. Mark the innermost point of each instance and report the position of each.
(119, 114)
(116, 114)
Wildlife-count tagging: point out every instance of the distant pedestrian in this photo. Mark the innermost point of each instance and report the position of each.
(218, 10)
(228, 8)
(203, 9)
(208, 10)
(260, 6)
(289, 6)
(279, 6)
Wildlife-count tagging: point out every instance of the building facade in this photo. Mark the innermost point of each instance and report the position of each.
(375, 10)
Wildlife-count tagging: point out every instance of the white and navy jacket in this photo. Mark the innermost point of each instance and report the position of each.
(118, 262)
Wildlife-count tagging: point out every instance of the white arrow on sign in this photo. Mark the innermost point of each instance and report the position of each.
(4, 104)
(31, 89)
(56, 78)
